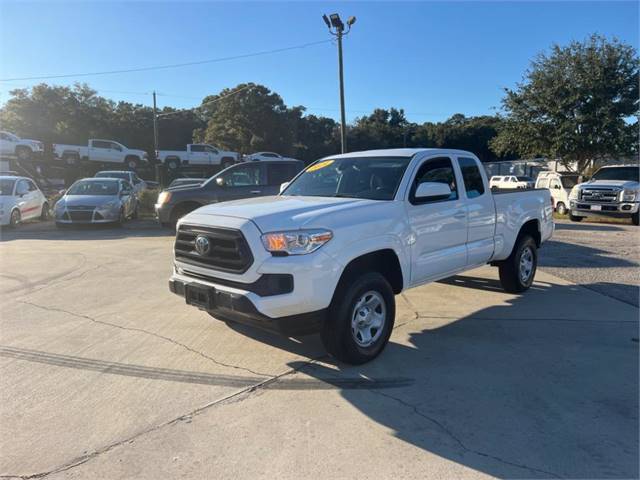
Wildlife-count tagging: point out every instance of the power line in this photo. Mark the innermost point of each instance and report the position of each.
(174, 65)
(205, 103)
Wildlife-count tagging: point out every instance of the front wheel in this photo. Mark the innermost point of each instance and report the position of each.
(360, 319)
(518, 271)
(173, 164)
(14, 219)
(573, 218)
(23, 153)
(132, 163)
(635, 218)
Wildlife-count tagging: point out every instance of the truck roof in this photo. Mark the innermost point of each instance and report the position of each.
(399, 152)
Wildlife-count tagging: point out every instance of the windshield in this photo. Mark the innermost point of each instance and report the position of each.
(617, 173)
(122, 175)
(569, 182)
(107, 187)
(372, 178)
(6, 186)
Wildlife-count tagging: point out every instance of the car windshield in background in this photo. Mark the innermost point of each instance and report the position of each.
(524, 179)
(107, 187)
(122, 175)
(569, 182)
(6, 187)
(375, 178)
(629, 174)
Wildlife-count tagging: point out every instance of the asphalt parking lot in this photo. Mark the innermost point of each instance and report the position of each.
(106, 374)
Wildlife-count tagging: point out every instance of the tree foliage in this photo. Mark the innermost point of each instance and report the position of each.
(575, 103)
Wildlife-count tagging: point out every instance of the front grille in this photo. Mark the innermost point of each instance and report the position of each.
(82, 207)
(82, 216)
(267, 285)
(228, 249)
(600, 195)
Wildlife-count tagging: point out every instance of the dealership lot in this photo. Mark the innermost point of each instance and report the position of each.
(106, 374)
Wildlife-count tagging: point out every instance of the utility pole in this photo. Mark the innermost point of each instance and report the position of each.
(334, 21)
(155, 126)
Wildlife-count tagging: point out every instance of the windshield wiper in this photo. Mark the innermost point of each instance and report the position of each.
(344, 195)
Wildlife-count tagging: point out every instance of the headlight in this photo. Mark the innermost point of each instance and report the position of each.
(164, 197)
(574, 193)
(298, 242)
(629, 195)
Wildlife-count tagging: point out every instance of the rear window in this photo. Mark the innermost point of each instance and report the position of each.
(473, 183)
(122, 175)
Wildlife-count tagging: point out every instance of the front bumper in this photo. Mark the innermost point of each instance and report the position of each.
(163, 212)
(583, 209)
(235, 305)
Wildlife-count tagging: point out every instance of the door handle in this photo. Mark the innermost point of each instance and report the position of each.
(460, 215)
(255, 192)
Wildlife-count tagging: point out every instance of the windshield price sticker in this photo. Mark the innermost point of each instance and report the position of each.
(320, 165)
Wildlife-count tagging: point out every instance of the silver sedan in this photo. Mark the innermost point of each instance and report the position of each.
(97, 200)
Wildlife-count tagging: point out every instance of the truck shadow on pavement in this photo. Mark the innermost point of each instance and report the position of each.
(48, 231)
(594, 227)
(511, 391)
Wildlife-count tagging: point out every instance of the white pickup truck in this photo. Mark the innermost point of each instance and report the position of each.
(613, 191)
(347, 234)
(22, 148)
(102, 151)
(197, 154)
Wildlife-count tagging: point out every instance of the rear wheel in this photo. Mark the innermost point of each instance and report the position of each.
(44, 216)
(561, 208)
(573, 218)
(518, 271)
(360, 319)
(173, 163)
(132, 163)
(70, 159)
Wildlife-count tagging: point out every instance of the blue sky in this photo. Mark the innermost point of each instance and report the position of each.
(433, 59)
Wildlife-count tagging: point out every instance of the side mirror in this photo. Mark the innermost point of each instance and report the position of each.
(62, 192)
(220, 181)
(283, 186)
(432, 191)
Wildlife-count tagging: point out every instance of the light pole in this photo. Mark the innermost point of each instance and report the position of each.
(336, 27)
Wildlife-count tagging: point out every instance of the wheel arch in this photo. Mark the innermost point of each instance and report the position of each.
(384, 261)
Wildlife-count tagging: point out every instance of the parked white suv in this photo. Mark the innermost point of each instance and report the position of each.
(560, 185)
(24, 149)
(507, 182)
(21, 199)
(613, 191)
(347, 234)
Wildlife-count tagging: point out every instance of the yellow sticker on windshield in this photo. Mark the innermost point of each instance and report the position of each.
(320, 165)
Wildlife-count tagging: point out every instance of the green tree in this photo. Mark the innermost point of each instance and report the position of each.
(575, 103)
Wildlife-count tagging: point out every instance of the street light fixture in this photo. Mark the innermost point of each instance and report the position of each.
(336, 27)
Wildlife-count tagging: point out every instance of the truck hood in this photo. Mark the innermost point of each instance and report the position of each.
(611, 183)
(283, 212)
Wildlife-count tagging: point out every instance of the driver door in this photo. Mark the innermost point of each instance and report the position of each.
(438, 228)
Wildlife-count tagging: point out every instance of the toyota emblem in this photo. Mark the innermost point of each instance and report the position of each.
(202, 245)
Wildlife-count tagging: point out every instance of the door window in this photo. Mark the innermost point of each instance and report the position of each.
(22, 188)
(115, 146)
(209, 149)
(101, 144)
(435, 170)
(555, 183)
(279, 173)
(197, 148)
(471, 176)
(543, 183)
(31, 186)
(243, 176)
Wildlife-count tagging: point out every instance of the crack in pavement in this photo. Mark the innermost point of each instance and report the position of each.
(457, 440)
(147, 332)
(235, 397)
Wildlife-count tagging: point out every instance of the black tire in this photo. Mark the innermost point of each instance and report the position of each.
(338, 334)
(573, 218)
(44, 216)
(23, 153)
(635, 218)
(514, 276)
(121, 218)
(14, 219)
(70, 159)
(132, 163)
(173, 163)
(561, 208)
